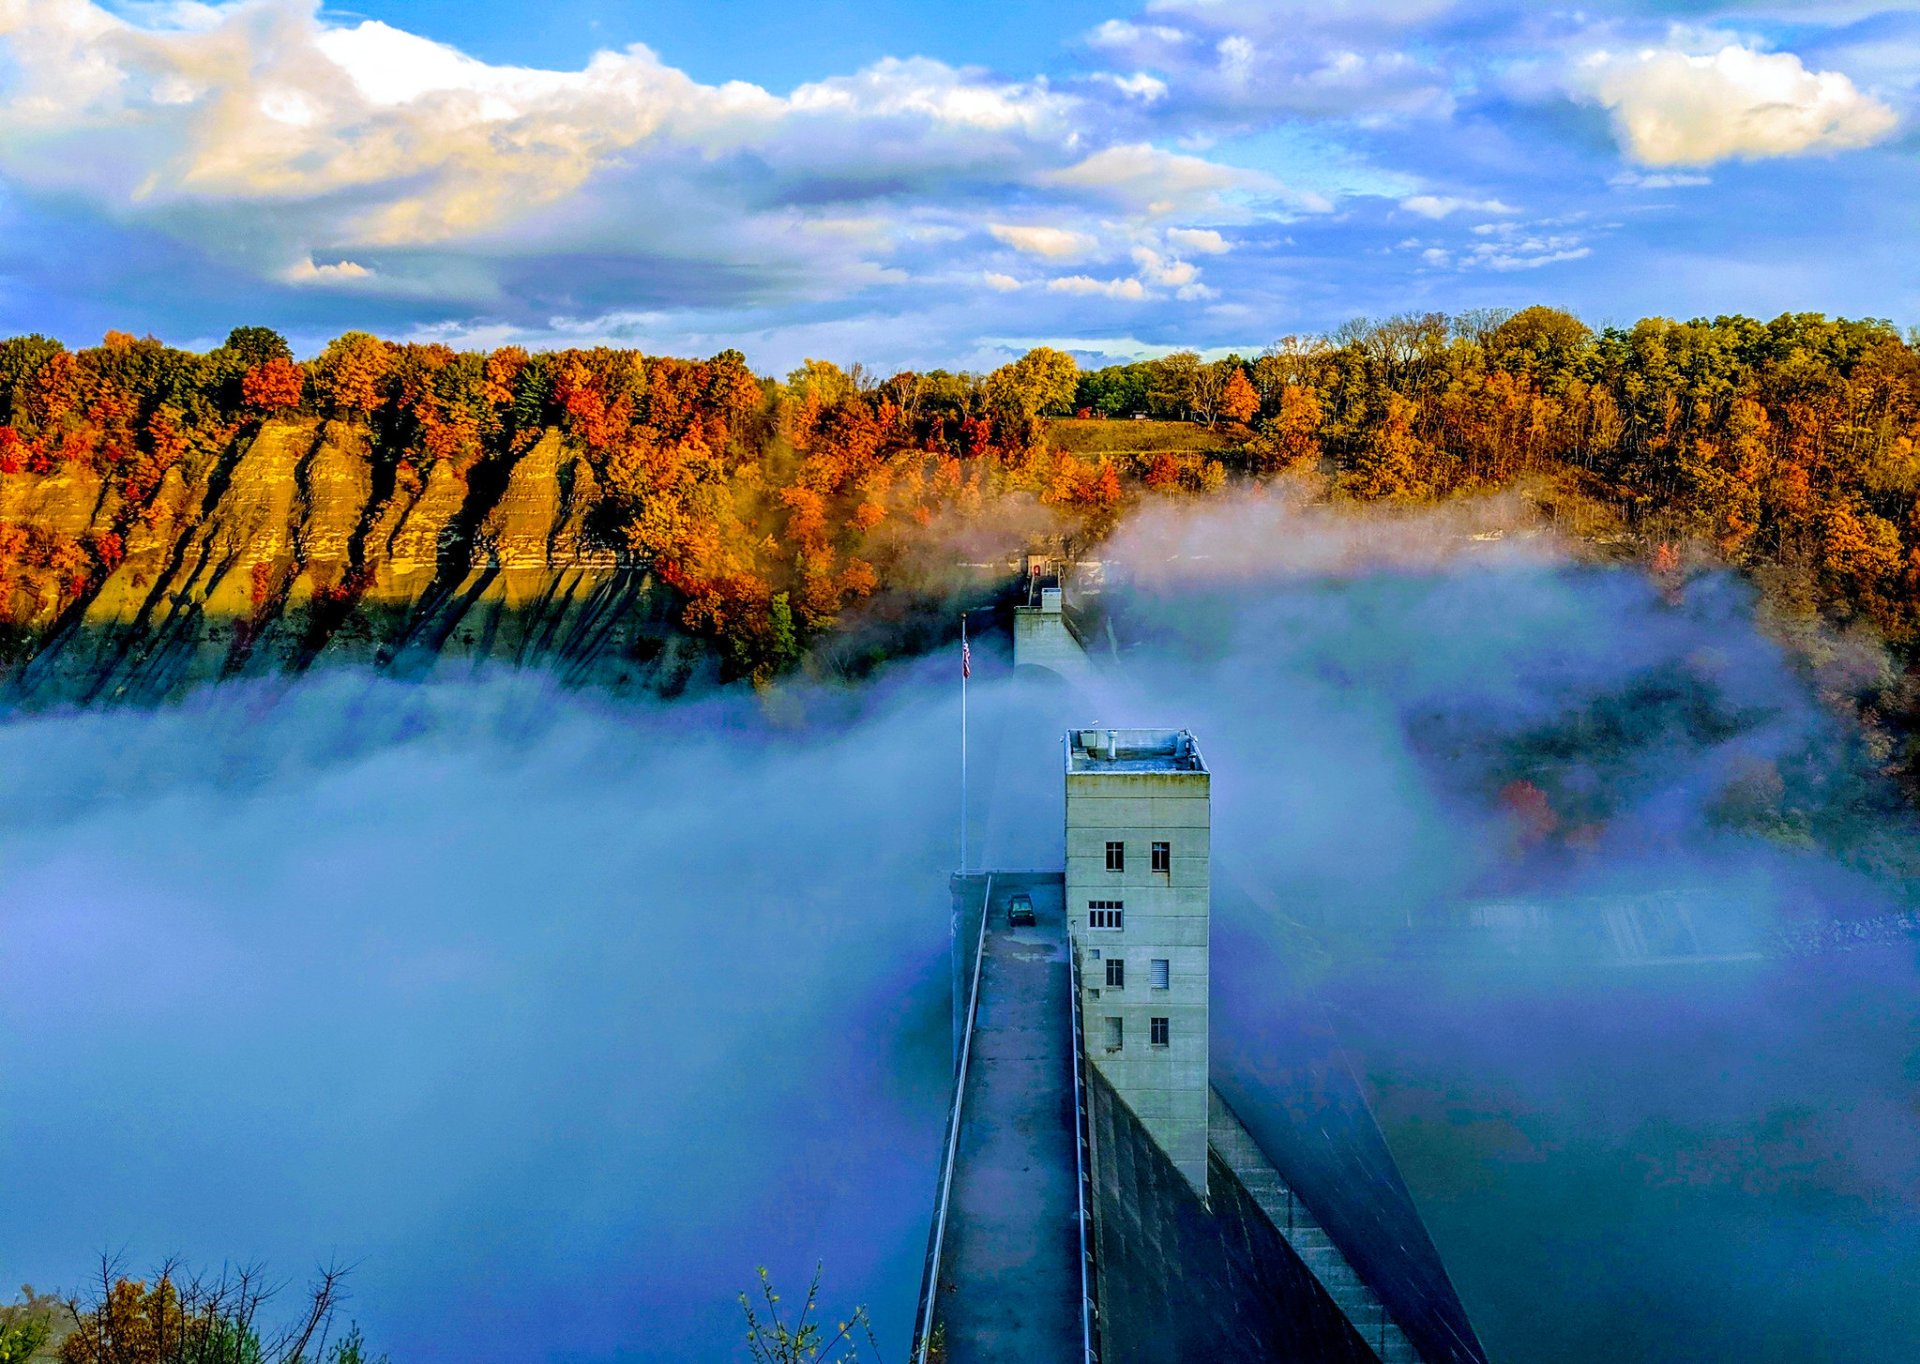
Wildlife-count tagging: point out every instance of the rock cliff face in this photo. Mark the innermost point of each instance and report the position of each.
(289, 552)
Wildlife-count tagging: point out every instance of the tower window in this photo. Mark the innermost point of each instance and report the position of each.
(1160, 974)
(1162, 858)
(1116, 856)
(1116, 973)
(1156, 1031)
(1106, 913)
(1115, 1033)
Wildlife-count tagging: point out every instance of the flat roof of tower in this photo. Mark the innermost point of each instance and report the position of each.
(1133, 750)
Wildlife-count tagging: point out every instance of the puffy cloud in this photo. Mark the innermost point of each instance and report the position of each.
(1148, 179)
(1055, 243)
(263, 132)
(1237, 55)
(1139, 86)
(1438, 206)
(1130, 290)
(1675, 108)
(1523, 246)
(1164, 271)
(1124, 34)
(1278, 13)
(930, 90)
(1199, 241)
(1227, 60)
(339, 272)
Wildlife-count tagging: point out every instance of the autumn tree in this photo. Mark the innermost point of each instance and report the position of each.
(1392, 461)
(1544, 343)
(1175, 381)
(178, 1317)
(1238, 401)
(821, 380)
(273, 385)
(1292, 361)
(350, 376)
(1291, 436)
(20, 359)
(1041, 383)
(256, 346)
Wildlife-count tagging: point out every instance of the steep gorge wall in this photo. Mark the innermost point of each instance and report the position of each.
(288, 553)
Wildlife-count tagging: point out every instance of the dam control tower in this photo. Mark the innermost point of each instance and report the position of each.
(1138, 909)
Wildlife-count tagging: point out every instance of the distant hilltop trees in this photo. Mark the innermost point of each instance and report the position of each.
(771, 506)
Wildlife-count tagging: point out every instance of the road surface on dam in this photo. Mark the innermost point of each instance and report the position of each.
(1010, 1279)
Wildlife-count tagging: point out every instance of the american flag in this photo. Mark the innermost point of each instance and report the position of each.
(966, 655)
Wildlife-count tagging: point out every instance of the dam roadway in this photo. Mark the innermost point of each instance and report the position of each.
(1010, 1273)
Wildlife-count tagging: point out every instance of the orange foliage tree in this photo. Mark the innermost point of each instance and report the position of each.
(274, 386)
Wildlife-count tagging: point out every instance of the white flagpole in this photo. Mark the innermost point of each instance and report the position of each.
(966, 666)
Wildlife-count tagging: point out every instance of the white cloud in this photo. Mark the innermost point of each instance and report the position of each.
(1630, 179)
(271, 137)
(1002, 284)
(1140, 86)
(1236, 54)
(1508, 247)
(1674, 108)
(340, 272)
(1198, 241)
(919, 88)
(1163, 271)
(1281, 13)
(1235, 59)
(1055, 243)
(1439, 206)
(1130, 290)
(1121, 33)
(1145, 178)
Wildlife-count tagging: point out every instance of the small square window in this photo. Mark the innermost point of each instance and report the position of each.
(1116, 973)
(1161, 974)
(1163, 858)
(1156, 1031)
(1115, 1033)
(1116, 857)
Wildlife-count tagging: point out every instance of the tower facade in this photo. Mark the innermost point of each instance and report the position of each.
(1139, 825)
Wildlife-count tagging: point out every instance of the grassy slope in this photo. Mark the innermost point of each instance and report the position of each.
(1135, 437)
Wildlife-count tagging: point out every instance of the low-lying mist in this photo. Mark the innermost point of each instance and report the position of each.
(559, 1016)
(1543, 841)
(556, 1018)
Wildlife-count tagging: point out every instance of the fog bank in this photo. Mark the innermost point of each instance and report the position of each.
(1527, 831)
(561, 1015)
(557, 1017)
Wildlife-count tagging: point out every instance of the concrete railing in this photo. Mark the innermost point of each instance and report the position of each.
(936, 1241)
(1082, 1168)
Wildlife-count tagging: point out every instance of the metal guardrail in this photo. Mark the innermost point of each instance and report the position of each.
(1082, 1163)
(930, 1273)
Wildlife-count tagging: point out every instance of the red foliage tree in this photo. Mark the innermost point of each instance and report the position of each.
(272, 387)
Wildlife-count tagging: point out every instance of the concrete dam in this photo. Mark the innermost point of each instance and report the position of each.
(1099, 1198)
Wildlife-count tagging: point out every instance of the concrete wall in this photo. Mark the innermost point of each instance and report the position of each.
(1041, 639)
(1166, 917)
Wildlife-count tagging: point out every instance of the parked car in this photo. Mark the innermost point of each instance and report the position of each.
(1020, 912)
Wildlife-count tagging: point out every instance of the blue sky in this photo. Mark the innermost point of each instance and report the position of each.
(943, 183)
